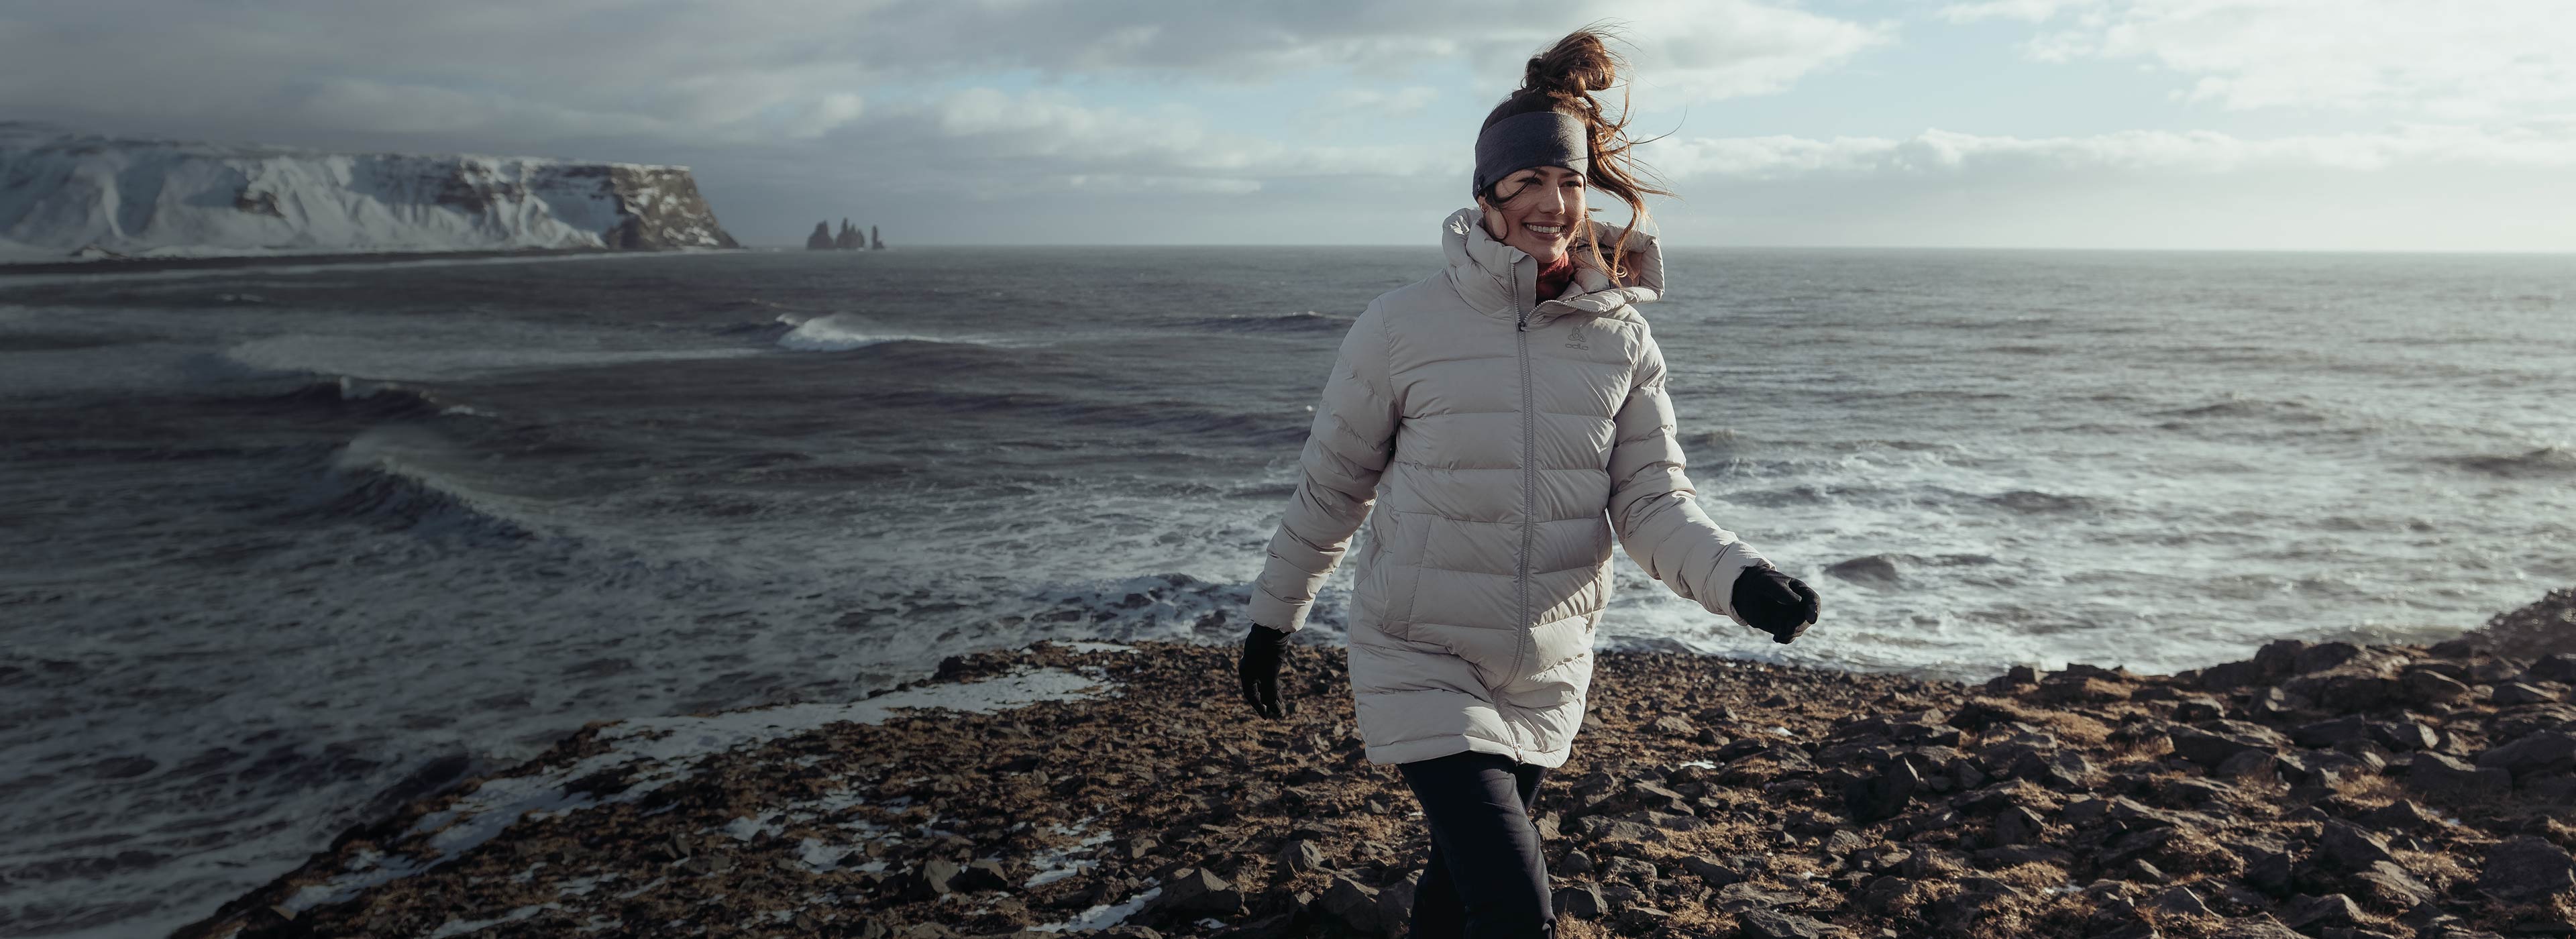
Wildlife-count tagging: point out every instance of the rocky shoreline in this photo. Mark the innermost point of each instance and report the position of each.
(2330, 790)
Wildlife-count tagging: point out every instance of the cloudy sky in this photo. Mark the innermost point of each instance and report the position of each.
(2262, 124)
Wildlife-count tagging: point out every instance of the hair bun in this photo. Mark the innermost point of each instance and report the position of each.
(1578, 64)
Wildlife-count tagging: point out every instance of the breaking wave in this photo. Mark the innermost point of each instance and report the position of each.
(1306, 322)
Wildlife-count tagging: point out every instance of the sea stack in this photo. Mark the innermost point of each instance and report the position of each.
(821, 239)
(875, 241)
(849, 238)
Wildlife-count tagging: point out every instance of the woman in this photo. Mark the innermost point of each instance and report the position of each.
(1504, 419)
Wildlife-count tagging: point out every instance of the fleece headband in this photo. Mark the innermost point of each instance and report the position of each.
(1536, 138)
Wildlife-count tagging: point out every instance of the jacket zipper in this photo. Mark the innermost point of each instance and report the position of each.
(1529, 484)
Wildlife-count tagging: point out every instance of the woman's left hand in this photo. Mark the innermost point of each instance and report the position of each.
(1775, 603)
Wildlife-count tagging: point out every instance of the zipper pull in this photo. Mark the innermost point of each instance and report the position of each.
(1523, 325)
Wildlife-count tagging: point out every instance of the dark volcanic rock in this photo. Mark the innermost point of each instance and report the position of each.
(2526, 868)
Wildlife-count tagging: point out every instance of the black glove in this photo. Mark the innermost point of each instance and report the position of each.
(1259, 669)
(1774, 602)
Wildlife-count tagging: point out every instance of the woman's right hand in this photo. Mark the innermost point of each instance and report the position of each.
(1259, 671)
(1775, 603)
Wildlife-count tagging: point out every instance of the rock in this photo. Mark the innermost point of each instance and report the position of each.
(2558, 667)
(938, 876)
(1673, 725)
(2228, 676)
(1629, 869)
(2177, 901)
(1750, 895)
(2330, 910)
(2349, 847)
(2425, 686)
(1395, 901)
(1884, 793)
(2223, 739)
(2393, 887)
(2256, 927)
(2404, 736)
(2402, 815)
(2197, 708)
(1353, 906)
(2534, 754)
(2255, 764)
(2331, 732)
(1582, 901)
(1614, 830)
(2441, 775)
(2526, 868)
(2516, 694)
(1771, 924)
(2011, 855)
(1716, 874)
(1198, 890)
(2323, 656)
(1299, 856)
(982, 875)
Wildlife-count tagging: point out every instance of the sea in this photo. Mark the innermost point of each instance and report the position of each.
(287, 544)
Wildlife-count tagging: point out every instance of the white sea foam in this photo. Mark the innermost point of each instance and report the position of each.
(843, 332)
(656, 752)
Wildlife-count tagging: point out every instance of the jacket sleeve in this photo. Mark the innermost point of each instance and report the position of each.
(1653, 506)
(1350, 443)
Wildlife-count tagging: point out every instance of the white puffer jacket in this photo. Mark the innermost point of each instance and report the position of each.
(1502, 443)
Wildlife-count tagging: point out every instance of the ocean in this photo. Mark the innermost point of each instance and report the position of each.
(288, 544)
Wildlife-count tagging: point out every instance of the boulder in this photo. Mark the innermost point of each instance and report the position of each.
(2534, 754)
(1771, 924)
(1352, 906)
(2526, 868)
(1198, 890)
(2440, 775)
(2223, 739)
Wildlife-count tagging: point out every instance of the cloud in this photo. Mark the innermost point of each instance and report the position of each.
(1940, 153)
(751, 67)
(2494, 59)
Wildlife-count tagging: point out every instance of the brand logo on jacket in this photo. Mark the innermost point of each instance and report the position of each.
(1578, 339)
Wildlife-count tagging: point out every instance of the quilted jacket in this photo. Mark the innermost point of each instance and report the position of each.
(1493, 446)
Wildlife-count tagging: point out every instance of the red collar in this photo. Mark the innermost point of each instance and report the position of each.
(1552, 278)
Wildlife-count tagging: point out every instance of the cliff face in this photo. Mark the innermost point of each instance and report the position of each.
(68, 192)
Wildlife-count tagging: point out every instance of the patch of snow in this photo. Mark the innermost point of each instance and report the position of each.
(1104, 915)
(461, 927)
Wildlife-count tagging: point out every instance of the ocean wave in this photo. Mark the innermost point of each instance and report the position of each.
(2234, 407)
(1306, 322)
(375, 399)
(390, 476)
(2036, 502)
(2552, 460)
(837, 333)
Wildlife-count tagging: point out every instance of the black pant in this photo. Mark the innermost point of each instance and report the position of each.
(1486, 878)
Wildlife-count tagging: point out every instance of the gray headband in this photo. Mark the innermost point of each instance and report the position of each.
(1536, 138)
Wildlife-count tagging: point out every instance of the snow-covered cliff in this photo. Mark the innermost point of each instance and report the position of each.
(62, 192)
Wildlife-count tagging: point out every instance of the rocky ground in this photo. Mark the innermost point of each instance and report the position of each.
(2327, 791)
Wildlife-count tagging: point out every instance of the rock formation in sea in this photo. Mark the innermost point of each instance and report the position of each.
(876, 242)
(157, 198)
(849, 239)
(2325, 790)
(821, 239)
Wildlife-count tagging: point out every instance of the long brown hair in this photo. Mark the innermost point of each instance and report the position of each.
(1563, 78)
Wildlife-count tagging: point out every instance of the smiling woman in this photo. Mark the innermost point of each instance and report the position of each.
(1496, 425)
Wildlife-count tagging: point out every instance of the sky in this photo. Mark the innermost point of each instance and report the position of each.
(2405, 125)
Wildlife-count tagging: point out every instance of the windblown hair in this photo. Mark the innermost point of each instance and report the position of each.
(1563, 78)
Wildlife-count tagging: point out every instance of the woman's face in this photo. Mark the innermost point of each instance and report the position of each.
(1537, 211)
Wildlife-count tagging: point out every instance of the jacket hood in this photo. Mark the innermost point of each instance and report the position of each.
(1484, 270)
